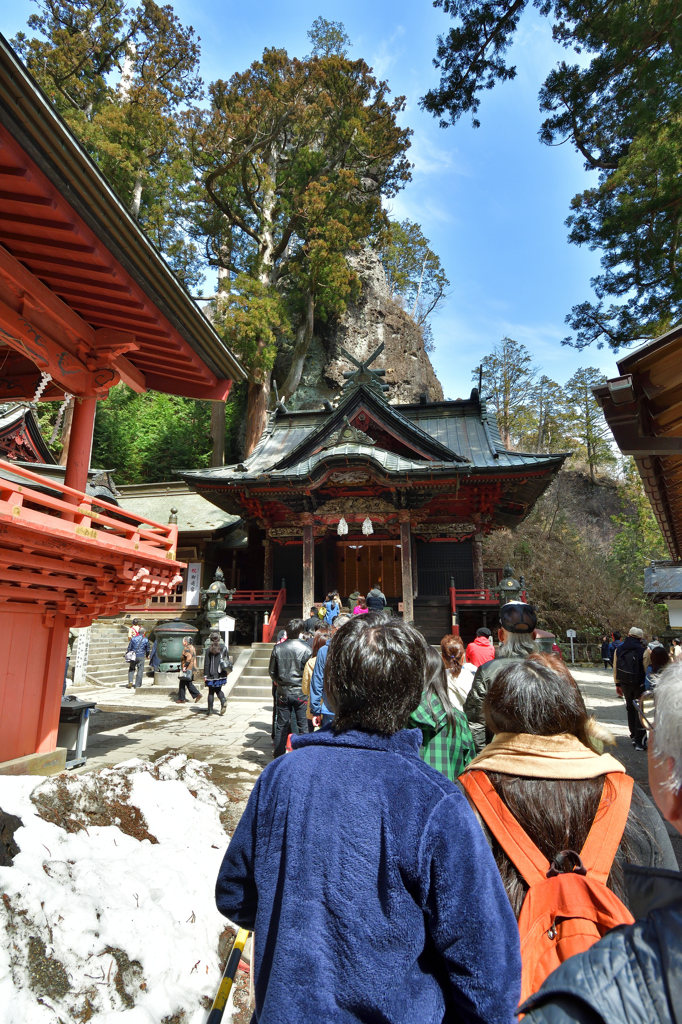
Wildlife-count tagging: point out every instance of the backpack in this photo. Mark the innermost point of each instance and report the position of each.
(628, 666)
(568, 906)
(321, 612)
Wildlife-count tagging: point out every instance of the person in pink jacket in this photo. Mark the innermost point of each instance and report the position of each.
(360, 607)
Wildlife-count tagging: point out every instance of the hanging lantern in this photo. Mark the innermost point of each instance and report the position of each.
(342, 528)
(367, 527)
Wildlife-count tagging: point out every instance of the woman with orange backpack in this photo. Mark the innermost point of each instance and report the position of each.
(560, 816)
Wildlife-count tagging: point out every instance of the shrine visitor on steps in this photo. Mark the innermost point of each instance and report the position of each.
(361, 870)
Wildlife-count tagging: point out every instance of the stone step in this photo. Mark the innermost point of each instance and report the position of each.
(255, 670)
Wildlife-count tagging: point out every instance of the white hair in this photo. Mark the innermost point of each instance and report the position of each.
(668, 731)
(517, 645)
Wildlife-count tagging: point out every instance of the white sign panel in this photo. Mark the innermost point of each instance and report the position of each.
(193, 584)
(226, 625)
(571, 633)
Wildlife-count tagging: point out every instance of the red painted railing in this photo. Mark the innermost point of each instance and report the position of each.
(270, 628)
(254, 596)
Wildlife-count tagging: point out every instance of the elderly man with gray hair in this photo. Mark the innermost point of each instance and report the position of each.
(635, 973)
(517, 640)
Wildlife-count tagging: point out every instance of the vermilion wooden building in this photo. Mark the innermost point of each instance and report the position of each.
(429, 480)
(85, 301)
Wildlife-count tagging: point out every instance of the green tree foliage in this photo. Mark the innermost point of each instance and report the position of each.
(250, 317)
(620, 105)
(329, 39)
(119, 76)
(145, 438)
(639, 538)
(295, 157)
(508, 381)
(414, 273)
(544, 423)
(590, 429)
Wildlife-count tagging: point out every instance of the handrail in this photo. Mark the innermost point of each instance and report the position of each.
(76, 516)
(253, 596)
(270, 628)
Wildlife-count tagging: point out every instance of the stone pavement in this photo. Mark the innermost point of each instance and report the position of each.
(599, 693)
(146, 724)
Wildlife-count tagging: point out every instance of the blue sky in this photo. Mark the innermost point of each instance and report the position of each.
(492, 200)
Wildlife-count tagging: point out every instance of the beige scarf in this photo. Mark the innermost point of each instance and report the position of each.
(543, 757)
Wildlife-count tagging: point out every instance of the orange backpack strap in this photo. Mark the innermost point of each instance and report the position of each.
(516, 843)
(606, 832)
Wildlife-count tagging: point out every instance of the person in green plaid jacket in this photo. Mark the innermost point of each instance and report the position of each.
(447, 743)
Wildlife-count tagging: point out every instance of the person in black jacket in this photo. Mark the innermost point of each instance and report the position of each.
(217, 667)
(313, 622)
(630, 676)
(634, 975)
(287, 662)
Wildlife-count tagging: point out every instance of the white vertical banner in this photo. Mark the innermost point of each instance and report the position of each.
(82, 651)
(193, 584)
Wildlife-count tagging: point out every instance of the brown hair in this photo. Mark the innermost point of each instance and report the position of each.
(321, 636)
(452, 652)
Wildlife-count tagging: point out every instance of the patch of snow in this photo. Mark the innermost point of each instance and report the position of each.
(97, 924)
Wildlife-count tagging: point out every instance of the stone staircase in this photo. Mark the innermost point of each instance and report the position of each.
(106, 659)
(254, 683)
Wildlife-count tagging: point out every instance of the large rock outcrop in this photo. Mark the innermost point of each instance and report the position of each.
(365, 324)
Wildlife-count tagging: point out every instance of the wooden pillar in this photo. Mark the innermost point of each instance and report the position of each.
(406, 559)
(52, 684)
(66, 433)
(80, 443)
(477, 557)
(267, 564)
(218, 433)
(308, 569)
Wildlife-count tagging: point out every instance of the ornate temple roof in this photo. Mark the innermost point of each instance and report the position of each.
(418, 455)
(20, 436)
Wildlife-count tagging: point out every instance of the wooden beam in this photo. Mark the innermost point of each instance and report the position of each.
(308, 569)
(406, 562)
(218, 436)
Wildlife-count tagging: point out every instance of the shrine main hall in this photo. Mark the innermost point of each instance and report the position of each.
(370, 492)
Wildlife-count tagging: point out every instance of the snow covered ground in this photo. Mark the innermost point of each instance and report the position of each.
(107, 911)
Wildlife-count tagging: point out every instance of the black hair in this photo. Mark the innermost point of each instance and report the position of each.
(616, 635)
(557, 814)
(294, 627)
(436, 685)
(659, 659)
(530, 697)
(313, 610)
(374, 674)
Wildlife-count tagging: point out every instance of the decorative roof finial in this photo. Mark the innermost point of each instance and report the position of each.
(363, 375)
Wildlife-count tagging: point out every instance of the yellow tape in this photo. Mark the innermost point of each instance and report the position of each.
(223, 993)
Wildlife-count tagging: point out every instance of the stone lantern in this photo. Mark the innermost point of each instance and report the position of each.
(509, 588)
(214, 601)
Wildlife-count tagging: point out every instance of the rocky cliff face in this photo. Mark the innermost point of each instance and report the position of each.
(375, 318)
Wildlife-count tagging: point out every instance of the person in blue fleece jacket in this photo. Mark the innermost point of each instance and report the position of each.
(368, 883)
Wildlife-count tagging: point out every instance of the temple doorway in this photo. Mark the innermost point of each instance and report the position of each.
(361, 563)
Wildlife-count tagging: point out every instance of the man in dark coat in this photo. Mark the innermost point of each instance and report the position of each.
(370, 888)
(287, 662)
(634, 975)
(629, 675)
(313, 622)
(376, 599)
(516, 632)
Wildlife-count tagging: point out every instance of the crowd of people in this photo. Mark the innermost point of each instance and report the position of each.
(448, 839)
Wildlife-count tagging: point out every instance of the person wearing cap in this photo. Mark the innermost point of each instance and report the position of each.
(481, 649)
(516, 635)
(629, 675)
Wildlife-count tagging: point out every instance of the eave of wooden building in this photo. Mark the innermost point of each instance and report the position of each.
(82, 288)
(643, 408)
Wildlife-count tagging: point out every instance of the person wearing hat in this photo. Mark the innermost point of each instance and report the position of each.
(629, 675)
(516, 635)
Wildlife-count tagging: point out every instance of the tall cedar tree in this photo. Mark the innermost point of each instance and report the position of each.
(414, 273)
(589, 426)
(508, 381)
(622, 111)
(118, 76)
(295, 157)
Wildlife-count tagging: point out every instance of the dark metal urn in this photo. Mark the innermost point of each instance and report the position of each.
(169, 638)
